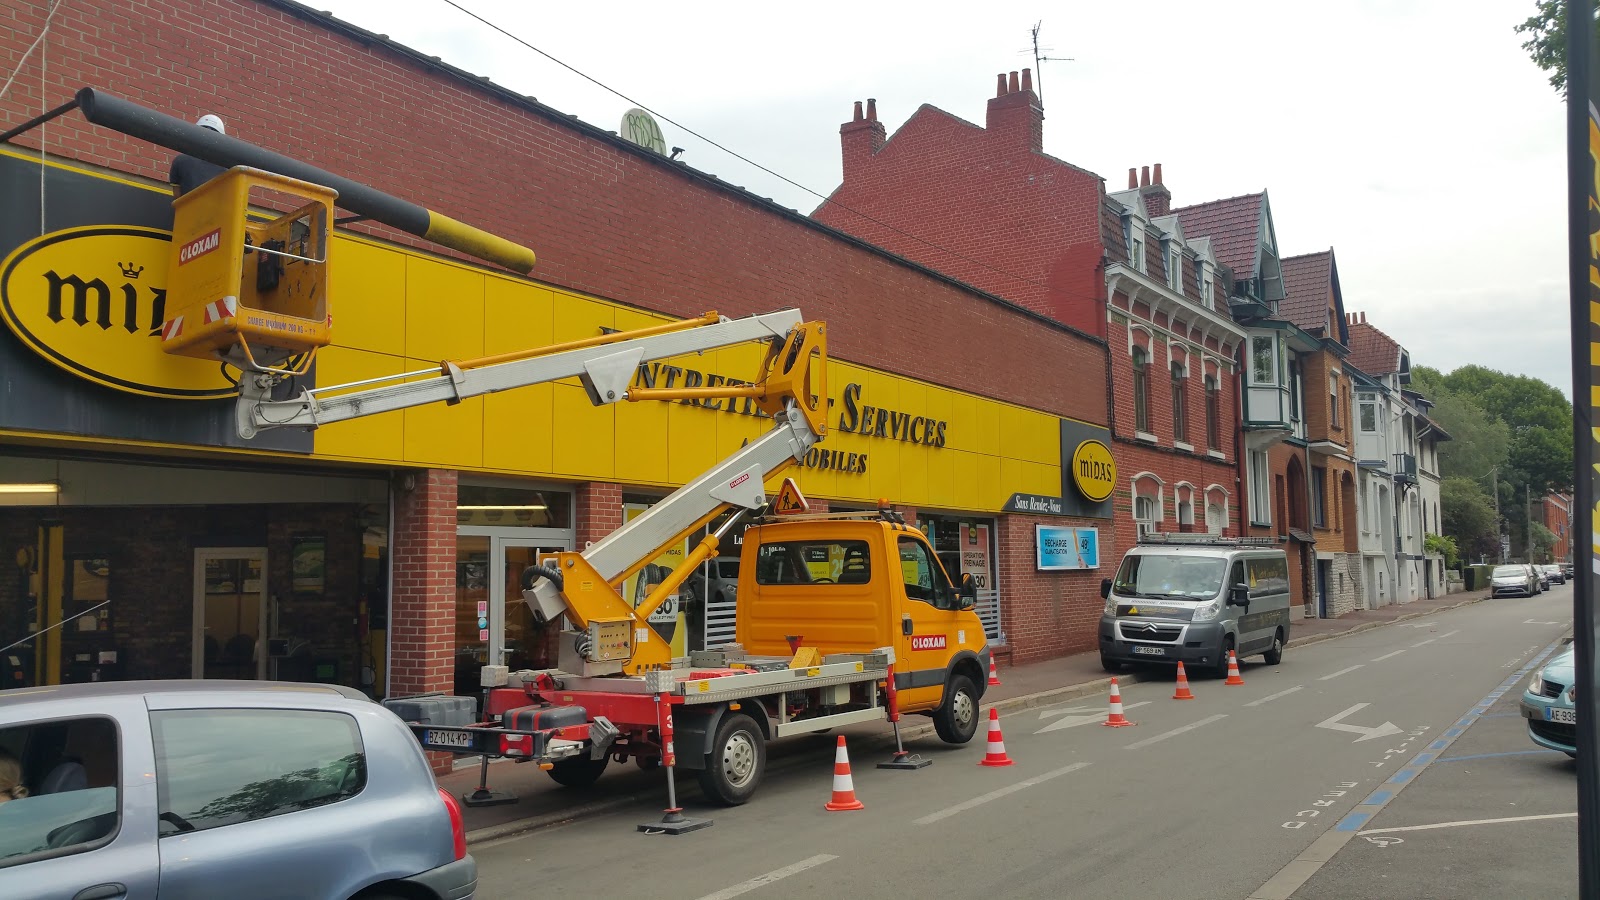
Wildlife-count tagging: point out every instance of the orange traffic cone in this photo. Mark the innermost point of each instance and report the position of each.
(844, 790)
(1183, 685)
(1116, 719)
(996, 755)
(994, 679)
(1233, 670)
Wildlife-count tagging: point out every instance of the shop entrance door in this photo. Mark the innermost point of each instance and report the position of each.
(230, 612)
(493, 625)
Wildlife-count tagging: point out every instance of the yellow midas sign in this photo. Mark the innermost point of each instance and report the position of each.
(1093, 470)
(91, 300)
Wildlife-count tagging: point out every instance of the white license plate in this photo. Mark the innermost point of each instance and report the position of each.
(1564, 716)
(1150, 651)
(447, 738)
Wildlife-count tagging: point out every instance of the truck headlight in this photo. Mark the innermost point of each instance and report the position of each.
(1111, 606)
(1208, 612)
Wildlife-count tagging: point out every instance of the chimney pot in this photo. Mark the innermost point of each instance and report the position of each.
(1157, 175)
(1027, 79)
(1133, 177)
(1000, 85)
(872, 110)
(1144, 176)
(858, 111)
(1011, 86)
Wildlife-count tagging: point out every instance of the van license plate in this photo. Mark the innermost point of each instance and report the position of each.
(1564, 716)
(438, 738)
(1150, 651)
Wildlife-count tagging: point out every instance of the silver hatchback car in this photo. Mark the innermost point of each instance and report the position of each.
(194, 790)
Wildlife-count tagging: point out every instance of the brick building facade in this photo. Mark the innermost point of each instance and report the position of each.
(1556, 514)
(989, 206)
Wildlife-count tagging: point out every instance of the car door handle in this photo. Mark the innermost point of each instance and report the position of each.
(102, 892)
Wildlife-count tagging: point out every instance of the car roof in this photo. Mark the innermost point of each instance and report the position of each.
(173, 688)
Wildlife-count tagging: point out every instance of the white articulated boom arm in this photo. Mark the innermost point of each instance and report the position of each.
(791, 388)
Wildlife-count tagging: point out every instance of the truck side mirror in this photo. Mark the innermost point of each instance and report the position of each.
(1239, 596)
(968, 592)
(1105, 589)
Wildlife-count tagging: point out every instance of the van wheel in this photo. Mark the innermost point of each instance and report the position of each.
(1220, 670)
(1109, 664)
(1275, 655)
(736, 762)
(581, 772)
(956, 720)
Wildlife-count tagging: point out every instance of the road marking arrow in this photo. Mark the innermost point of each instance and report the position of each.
(1073, 721)
(1366, 733)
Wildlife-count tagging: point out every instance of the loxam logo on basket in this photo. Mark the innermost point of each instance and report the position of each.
(200, 246)
(927, 642)
(92, 301)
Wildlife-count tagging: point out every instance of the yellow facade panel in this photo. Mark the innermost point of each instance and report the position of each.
(964, 493)
(986, 428)
(577, 318)
(962, 433)
(367, 288)
(377, 438)
(585, 435)
(443, 311)
(445, 436)
(941, 476)
(517, 315)
(644, 442)
(691, 441)
(519, 430)
(914, 474)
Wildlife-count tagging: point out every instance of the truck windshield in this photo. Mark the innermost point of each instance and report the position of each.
(814, 562)
(1190, 577)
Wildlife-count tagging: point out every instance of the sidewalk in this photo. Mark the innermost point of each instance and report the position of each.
(542, 802)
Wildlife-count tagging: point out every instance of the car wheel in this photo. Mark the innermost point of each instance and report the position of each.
(956, 720)
(1109, 664)
(1275, 655)
(578, 773)
(736, 762)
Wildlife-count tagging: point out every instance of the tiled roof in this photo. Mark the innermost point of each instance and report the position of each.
(1307, 282)
(1372, 351)
(1233, 226)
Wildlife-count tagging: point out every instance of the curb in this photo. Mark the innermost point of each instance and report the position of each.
(911, 732)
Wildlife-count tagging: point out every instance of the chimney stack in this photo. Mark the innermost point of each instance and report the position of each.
(1133, 177)
(1015, 115)
(1363, 317)
(861, 138)
(1157, 199)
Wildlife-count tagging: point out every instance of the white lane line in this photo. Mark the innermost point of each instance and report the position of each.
(745, 887)
(1391, 655)
(1175, 732)
(992, 795)
(1447, 634)
(1270, 697)
(1570, 815)
(1421, 643)
(1342, 672)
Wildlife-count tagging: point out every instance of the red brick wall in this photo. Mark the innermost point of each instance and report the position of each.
(984, 206)
(1048, 614)
(603, 219)
(422, 604)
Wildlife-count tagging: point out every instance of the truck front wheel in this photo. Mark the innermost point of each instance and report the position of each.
(956, 720)
(737, 759)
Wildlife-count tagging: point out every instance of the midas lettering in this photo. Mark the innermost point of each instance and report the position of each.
(96, 292)
(1096, 470)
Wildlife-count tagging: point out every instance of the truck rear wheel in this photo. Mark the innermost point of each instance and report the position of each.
(956, 720)
(736, 762)
(580, 772)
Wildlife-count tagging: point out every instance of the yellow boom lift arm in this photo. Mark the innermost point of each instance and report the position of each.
(614, 636)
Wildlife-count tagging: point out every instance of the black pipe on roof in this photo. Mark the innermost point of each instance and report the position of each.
(127, 117)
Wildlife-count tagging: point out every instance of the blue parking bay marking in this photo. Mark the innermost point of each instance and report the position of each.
(1380, 798)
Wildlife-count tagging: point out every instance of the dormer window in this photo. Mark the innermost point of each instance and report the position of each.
(1134, 231)
(1175, 266)
(1208, 290)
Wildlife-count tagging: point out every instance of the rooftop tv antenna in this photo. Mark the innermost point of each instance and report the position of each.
(1039, 58)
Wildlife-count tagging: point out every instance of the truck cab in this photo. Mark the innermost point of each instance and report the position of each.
(849, 584)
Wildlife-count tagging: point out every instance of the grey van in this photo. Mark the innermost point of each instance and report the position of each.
(1192, 598)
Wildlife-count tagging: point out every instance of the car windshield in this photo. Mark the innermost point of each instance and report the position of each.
(1189, 577)
(1510, 572)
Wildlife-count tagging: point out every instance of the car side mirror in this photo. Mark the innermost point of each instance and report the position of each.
(1105, 589)
(1239, 596)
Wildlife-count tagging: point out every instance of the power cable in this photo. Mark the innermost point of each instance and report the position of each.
(742, 158)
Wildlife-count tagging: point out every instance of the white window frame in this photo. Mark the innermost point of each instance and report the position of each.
(1363, 401)
(1134, 232)
(1175, 266)
(1272, 375)
(1333, 400)
(1260, 488)
(1146, 524)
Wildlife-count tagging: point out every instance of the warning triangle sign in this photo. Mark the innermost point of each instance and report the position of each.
(790, 501)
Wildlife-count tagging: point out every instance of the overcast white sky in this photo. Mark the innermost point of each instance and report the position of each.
(1412, 136)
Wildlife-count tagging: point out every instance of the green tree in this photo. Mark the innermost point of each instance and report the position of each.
(1538, 416)
(1546, 32)
(1478, 442)
(1468, 516)
(1544, 541)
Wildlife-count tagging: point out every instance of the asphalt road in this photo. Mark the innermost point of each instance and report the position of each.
(1217, 797)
